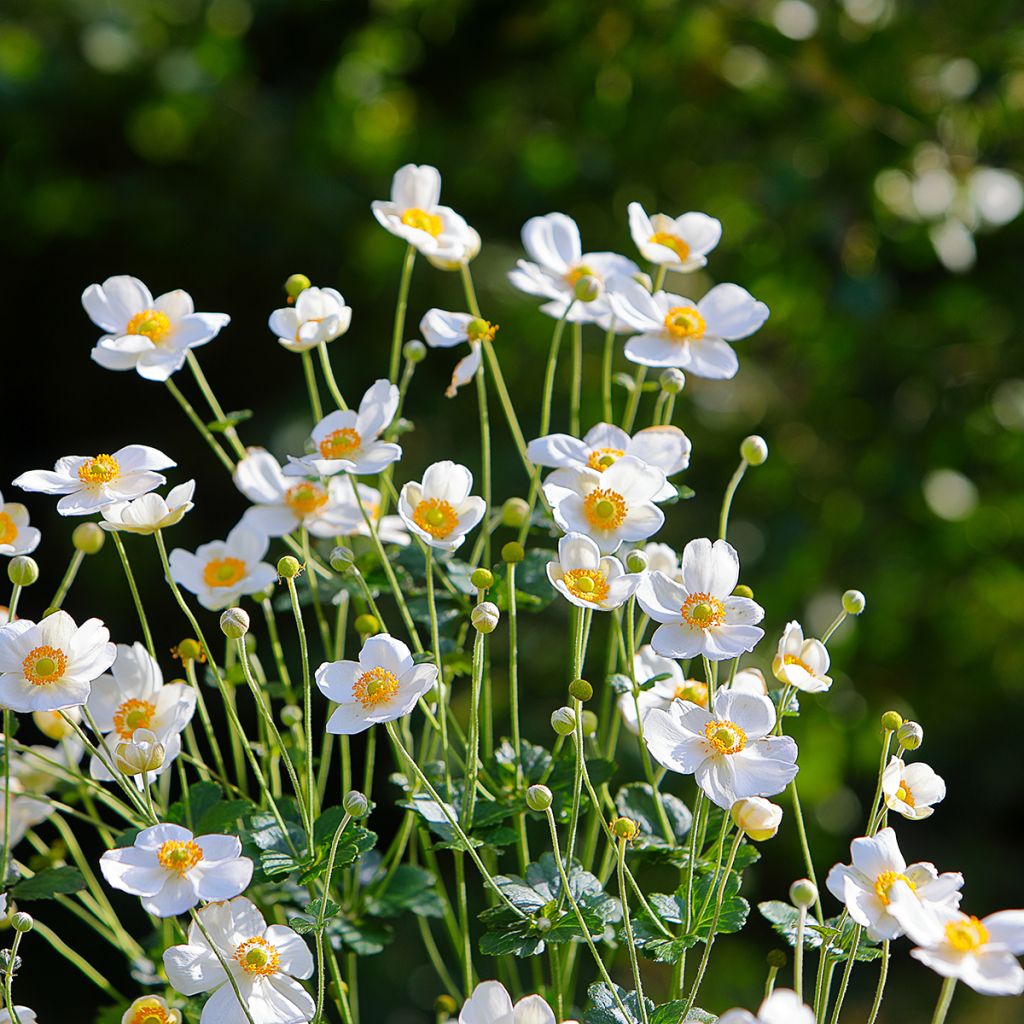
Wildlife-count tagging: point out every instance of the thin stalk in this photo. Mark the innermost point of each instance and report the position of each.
(633, 402)
(882, 978)
(215, 407)
(400, 307)
(328, 372)
(311, 388)
(628, 930)
(945, 998)
(197, 421)
(576, 380)
(473, 750)
(606, 373)
(435, 641)
(798, 953)
(307, 693)
(69, 577)
(136, 597)
(850, 960)
(730, 491)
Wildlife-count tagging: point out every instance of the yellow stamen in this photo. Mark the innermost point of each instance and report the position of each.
(131, 715)
(149, 1011)
(179, 856)
(339, 444)
(101, 470)
(8, 531)
(305, 499)
(422, 220)
(726, 737)
(601, 458)
(966, 935)
(573, 275)
(693, 690)
(684, 323)
(605, 509)
(886, 880)
(44, 665)
(436, 517)
(479, 329)
(153, 323)
(257, 956)
(905, 794)
(792, 659)
(586, 584)
(223, 572)
(673, 242)
(378, 686)
(702, 611)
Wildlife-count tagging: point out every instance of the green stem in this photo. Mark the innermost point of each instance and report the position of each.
(806, 849)
(850, 960)
(882, 978)
(628, 930)
(730, 491)
(945, 998)
(197, 421)
(311, 389)
(633, 402)
(211, 399)
(136, 597)
(400, 307)
(606, 373)
(576, 380)
(69, 577)
(798, 953)
(435, 642)
(307, 692)
(328, 372)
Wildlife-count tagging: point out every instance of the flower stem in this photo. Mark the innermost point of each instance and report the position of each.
(435, 643)
(606, 373)
(576, 380)
(628, 930)
(215, 407)
(400, 307)
(633, 402)
(328, 372)
(136, 597)
(883, 976)
(798, 953)
(945, 998)
(307, 691)
(850, 960)
(311, 389)
(806, 848)
(730, 491)
(69, 577)
(204, 430)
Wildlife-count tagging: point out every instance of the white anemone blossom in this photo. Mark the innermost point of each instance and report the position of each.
(678, 243)
(172, 870)
(611, 506)
(24, 1015)
(384, 684)
(676, 331)
(442, 329)
(440, 509)
(221, 572)
(783, 1006)
(345, 441)
(699, 615)
(264, 963)
(672, 686)
(17, 537)
(150, 513)
(587, 580)
(730, 750)
(869, 884)
(352, 522)
(133, 696)
(490, 1003)
(801, 663)
(51, 666)
(667, 448)
(150, 336)
(319, 315)
(88, 483)
(911, 790)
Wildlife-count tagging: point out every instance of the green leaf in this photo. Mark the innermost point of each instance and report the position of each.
(49, 882)
(636, 801)
(231, 419)
(364, 938)
(410, 889)
(533, 588)
(606, 1009)
(784, 919)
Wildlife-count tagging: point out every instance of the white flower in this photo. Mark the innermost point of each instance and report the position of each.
(90, 483)
(151, 1010)
(16, 536)
(662, 558)
(647, 665)
(50, 666)
(749, 680)
(133, 696)
(384, 684)
(345, 441)
(586, 579)
(141, 757)
(172, 870)
(801, 663)
(440, 509)
(263, 962)
(445, 330)
(150, 513)
(868, 885)
(679, 243)
(911, 789)
(222, 571)
(38, 767)
(318, 316)
(490, 1003)
(666, 448)
(676, 331)
(612, 506)
(756, 816)
(414, 214)
(557, 262)
(390, 529)
(25, 1015)
(466, 251)
(781, 1007)
(699, 616)
(730, 750)
(149, 335)
(980, 953)
(26, 811)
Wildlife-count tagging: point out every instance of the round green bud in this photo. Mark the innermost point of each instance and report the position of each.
(367, 624)
(543, 924)
(741, 590)
(892, 721)
(291, 715)
(515, 512)
(485, 617)
(625, 828)
(754, 450)
(563, 721)
(588, 720)
(341, 558)
(854, 602)
(802, 893)
(512, 552)
(296, 285)
(777, 959)
(445, 1006)
(587, 288)
(482, 579)
(22, 922)
(538, 798)
(580, 689)
(88, 538)
(234, 623)
(636, 561)
(356, 804)
(189, 650)
(414, 351)
(910, 735)
(22, 571)
(672, 380)
(288, 567)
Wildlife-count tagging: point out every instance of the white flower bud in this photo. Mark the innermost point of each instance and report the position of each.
(803, 892)
(754, 450)
(538, 798)
(355, 804)
(637, 561)
(485, 617)
(759, 818)
(563, 721)
(588, 288)
(854, 602)
(143, 753)
(22, 922)
(910, 735)
(672, 380)
(234, 623)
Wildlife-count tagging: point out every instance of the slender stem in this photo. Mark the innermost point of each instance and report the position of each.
(883, 762)
(473, 746)
(606, 373)
(400, 307)
(730, 491)
(850, 960)
(513, 671)
(311, 389)
(328, 372)
(628, 930)
(322, 913)
(836, 623)
(9, 978)
(798, 953)
(229, 432)
(197, 421)
(945, 998)
(307, 692)
(806, 848)
(69, 578)
(435, 642)
(633, 402)
(136, 597)
(549, 372)
(576, 380)
(883, 976)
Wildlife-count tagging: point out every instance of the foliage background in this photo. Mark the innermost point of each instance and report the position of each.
(219, 146)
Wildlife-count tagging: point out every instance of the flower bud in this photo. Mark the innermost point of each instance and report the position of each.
(414, 351)
(803, 893)
(22, 922)
(672, 380)
(296, 285)
(563, 721)
(88, 538)
(22, 571)
(543, 924)
(587, 288)
(759, 818)
(355, 804)
(341, 558)
(581, 689)
(741, 590)
(366, 624)
(189, 650)
(142, 753)
(52, 724)
(482, 579)
(891, 721)
(445, 1006)
(588, 722)
(910, 735)
(625, 828)
(234, 623)
(515, 512)
(288, 567)
(512, 552)
(538, 798)
(754, 450)
(777, 958)
(637, 560)
(485, 617)
(291, 714)
(854, 602)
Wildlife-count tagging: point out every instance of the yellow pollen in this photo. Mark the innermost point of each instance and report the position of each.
(966, 935)
(179, 856)
(792, 659)
(684, 323)
(479, 329)
(436, 517)
(576, 273)
(257, 956)
(131, 715)
(339, 444)
(8, 531)
(673, 242)
(905, 794)
(150, 1012)
(601, 458)
(886, 880)
(101, 470)
(421, 220)
(153, 323)
(702, 611)
(605, 509)
(44, 665)
(693, 690)
(305, 499)
(224, 572)
(378, 686)
(726, 737)
(586, 584)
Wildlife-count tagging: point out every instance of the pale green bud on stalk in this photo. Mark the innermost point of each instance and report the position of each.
(625, 828)
(563, 721)
(803, 893)
(189, 650)
(366, 624)
(356, 804)
(445, 1006)
(538, 798)
(288, 567)
(515, 512)
(141, 754)
(485, 617)
(636, 561)
(892, 721)
(588, 288)
(757, 817)
(672, 380)
(234, 623)
(414, 351)
(88, 538)
(22, 922)
(580, 689)
(741, 590)
(22, 571)
(296, 285)
(291, 715)
(910, 735)
(512, 552)
(589, 722)
(543, 924)
(482, 579)
(854, 602)
(341, 558)
(754, 450)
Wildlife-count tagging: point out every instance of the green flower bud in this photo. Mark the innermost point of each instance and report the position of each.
(515, 512)
(512, 552)
(741, 590)
(803, 892)
(754, 450)
(636, 561)
(910, 735)
(234, 623)
(538, 798)
(414, 351)
(22, 922)
(672, 380)
(189, 650)
(581, 689)
(356, 804)
(22, 571)
(296, 285)
(288, 567)
(625, 828)
(485, 617)
(341, 559)
(891, 721)
(588, 720)
(88, 538)
(445, 1006)
(367, 625)
(854, 602)
(291, 715)
(563, 721)
(587, 288)
(777, 959)
(482, 579)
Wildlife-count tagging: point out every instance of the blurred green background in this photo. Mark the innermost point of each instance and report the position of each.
(857, 155)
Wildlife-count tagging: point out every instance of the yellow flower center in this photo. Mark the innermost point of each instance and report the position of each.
(684, 323)
(601, 458)
(673, 242)
(131, 715)
(886, 880)
(792, 659)
(693, 690)
(179, 856)
(377, 686)
(966, 935)
(153, 323)
(479, 329)
(573, 275)
(223, 572)
(421, 220)
(257, 956)
(101, 470)
(905, 793)
(149, 1011)
(8, 531)
(587, 584)
(436, 517)
(702, 611)
(44, 665)
(605, 509)
(340, 443)
(726, 737)
(305, 499)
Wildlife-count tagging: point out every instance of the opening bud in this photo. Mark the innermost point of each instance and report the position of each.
(515, 512)
(88, 538)
(854, 602)
(341, 559)
(512, 552)
(754, 450)
(22, 571)
(588, 288)
(485, 617)
(625, 828)
(538, 798)
(637, 561)
(910, 735)
(672, 380)
(234, 623)
(356, 804)
(482, 579)
(296, 285)
(367, 625)
(563, 721)
(891, 721)
(141, 754)
(288, 567)
(291, 714)
(414, 351)
(580, 689)
(741, 590)
(759, 818)
(803, 892)
(22, 922)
